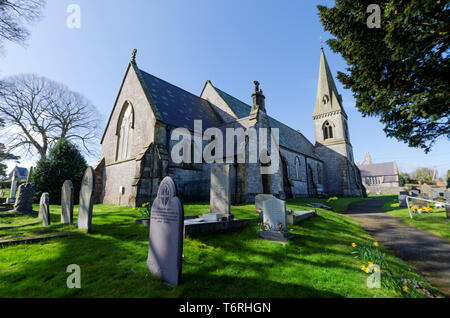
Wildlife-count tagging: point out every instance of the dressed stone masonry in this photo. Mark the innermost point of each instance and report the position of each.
(67, 193)
(44, 209)
(165, 248)
(86, 200)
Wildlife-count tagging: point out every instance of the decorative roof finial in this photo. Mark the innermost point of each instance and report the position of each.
(133, 56)
(256, 86)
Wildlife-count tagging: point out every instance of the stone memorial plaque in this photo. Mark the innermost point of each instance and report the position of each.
(44, 209)
(220, 192)
(24, 199)
(86, 204)
(67, 193)
(166, 234)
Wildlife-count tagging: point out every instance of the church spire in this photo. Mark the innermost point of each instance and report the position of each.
(328, 98)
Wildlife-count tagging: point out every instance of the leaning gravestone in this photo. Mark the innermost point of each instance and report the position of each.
(220, 193)
(24, 199)
(86, 204)
(447, 196)
(274, 221)
(44, 208)
(426, 189)
(67, 202)
(165, 248)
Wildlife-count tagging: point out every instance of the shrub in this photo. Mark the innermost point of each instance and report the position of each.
(64, 162)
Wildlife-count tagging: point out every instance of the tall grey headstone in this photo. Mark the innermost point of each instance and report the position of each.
(220, 193)
(12, 191)
(274, 220)
(67, 202)
(86, 204)
(24, 198)
(44, 208)
(29, 174)
(166, 234)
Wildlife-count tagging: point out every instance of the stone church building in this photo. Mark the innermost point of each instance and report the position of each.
(136, 144)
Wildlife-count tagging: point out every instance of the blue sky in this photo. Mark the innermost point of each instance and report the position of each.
(187, 42)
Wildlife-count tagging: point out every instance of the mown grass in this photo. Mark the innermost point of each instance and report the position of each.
(317, 263)
(434, 222)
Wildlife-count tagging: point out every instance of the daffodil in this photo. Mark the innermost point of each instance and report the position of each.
(375, 269)
(405, 289)
(375, 244)
(133, 208)
(353, 244)
(363, 268)
(370, 263)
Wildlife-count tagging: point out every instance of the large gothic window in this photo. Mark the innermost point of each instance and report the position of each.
(297, 168)
(327, 130)
(125, 133)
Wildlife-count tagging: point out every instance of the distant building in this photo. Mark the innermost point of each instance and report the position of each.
(379, 177)
(22, 173)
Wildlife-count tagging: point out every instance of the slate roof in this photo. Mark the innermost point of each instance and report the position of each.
(178, 107)
(378, 169)
(22, 172)
(289, 138)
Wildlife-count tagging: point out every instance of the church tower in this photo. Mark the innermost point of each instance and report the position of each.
(332, 135)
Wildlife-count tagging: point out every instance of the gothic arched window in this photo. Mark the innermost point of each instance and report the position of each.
(327, 130)
(125, 133)
(297, 168)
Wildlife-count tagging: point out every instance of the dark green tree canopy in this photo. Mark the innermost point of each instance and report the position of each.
(64, 162)
(399, 72)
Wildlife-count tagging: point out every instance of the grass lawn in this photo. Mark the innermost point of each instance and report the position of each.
(317, 263)
(434, 222)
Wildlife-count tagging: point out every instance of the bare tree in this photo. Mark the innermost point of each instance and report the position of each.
(14, 17)
(39, 111)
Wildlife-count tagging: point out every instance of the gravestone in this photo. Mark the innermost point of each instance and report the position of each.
(274, 221)
(29, 174)
(402, 198)
(44, 209)
(12, 191)
(426, 189)
(435, 194)
(24, 200)
(67, 202)
(166, 234)
(420, 203)
(260, 198)
(220, 193)
(86, 204)
(447, 195)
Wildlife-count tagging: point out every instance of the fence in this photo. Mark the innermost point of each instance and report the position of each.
(446, 204)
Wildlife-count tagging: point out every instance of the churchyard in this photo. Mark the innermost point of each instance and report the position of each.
(319, 261)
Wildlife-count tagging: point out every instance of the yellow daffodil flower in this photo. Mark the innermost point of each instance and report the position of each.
(353, 244)
(375, 244)
(405, 289)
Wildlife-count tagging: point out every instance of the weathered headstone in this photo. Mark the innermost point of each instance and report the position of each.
(166, 234)
(29, 174)
(220, 193)
(402, 198)
(274, 221)
(420, 203)
(67, 202)
(86, 204)
(426, 189)
(44, 208)
(447, 195)
(12, 191)
(24, 198)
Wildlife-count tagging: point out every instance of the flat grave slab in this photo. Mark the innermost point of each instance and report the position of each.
(298, 216)
(199, 225)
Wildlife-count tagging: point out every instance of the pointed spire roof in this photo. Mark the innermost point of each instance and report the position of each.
(328, 98)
